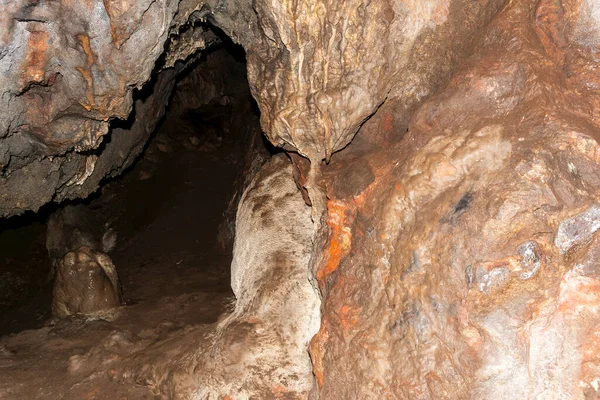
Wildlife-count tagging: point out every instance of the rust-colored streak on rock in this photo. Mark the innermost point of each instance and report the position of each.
(113, 33)
(125, 18)
(388, 122)
(35, 61)
(281, 392)
(340, 239)
(86, 71)
(382, 173)
(348, 317)
(117, 31)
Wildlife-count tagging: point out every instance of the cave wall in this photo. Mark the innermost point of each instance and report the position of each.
(461, 261)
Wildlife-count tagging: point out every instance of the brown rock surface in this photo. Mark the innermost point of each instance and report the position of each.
(458, 255)
(260, 349)
(86, 283)
(321, 77)
(466, 269)
(317, 73)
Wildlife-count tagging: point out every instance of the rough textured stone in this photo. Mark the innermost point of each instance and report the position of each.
(465, 269)
(74, 226)
(263, 346)
(458, 254)
(76, 174)
(260, 349)
(578, 230)
(66, 70)
(309, 76)
(86, 283)
(307, 66)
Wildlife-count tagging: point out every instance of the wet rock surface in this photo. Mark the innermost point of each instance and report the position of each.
(86, 282)
(77, 225)
(260, 348)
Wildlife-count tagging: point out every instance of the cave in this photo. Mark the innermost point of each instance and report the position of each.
(168, 220)
(207, 199)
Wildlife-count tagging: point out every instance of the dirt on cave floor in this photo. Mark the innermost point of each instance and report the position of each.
(168, 208)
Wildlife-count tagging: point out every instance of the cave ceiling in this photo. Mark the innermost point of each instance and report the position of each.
(70, 71)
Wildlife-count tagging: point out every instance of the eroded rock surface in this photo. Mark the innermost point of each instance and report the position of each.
(67, 70)
(77, 225)
(86, 282)
(320, 77)
(458, 255)
(465, 269)
(276, 314)
(260, 349)
(78, 239)
(307, 66)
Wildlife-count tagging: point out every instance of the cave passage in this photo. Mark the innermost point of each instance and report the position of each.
(173, 211)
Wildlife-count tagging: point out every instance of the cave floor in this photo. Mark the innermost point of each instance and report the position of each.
(174, 279)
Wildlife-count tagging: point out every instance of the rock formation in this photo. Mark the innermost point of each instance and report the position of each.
(455, 216)
(464, 267)
(75, 226)
(69, 69)
(86, 283)
(85, 278)
(260, 349)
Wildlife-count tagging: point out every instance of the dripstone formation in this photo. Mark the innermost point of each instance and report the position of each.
(449, 153)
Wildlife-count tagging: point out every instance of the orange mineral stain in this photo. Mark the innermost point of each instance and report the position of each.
(348, 317)
(35, 60)
(86, 71)
(340, 238)
(115, 11)
(280, 392)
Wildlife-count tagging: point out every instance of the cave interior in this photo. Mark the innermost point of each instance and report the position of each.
(208, 199)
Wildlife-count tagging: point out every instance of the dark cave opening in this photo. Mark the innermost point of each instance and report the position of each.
(172, 211)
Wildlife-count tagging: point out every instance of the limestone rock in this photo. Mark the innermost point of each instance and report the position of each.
(77, 225)
(317, 72)
(465, 269)
(260, 349)
(86, 283)
(66, 70)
